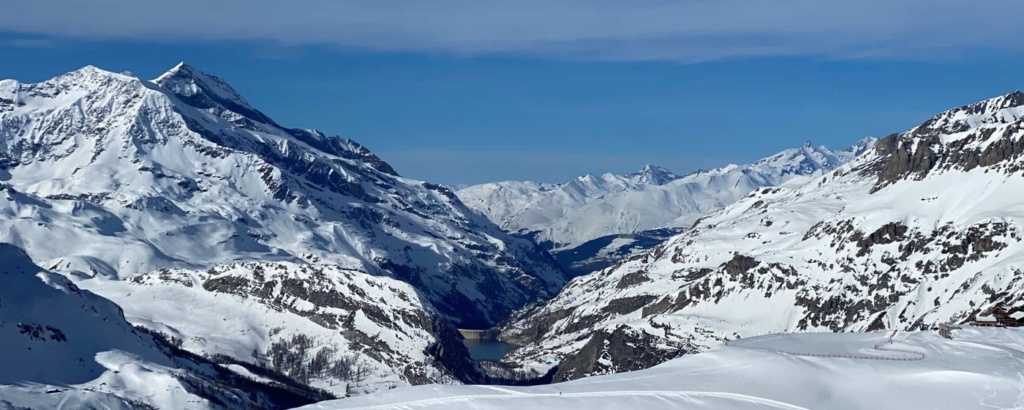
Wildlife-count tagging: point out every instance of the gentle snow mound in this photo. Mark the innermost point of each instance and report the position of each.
(979, 369)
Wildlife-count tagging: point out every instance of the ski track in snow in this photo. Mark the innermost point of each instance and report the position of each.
(884, 346)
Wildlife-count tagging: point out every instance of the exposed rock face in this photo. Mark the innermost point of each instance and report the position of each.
(924, 229)
(111, 175)
(622, 350)
(977, 135)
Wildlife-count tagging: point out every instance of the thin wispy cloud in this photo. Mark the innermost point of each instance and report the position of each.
(30, 43)
(685, 30)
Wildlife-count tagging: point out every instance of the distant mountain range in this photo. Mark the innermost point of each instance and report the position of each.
(566, 215)
(593, 220)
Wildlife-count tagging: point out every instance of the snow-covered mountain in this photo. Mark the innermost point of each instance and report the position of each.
(979, 369)
(64, 347)
(925, 228)
(268, 313)
(109, 175)
(565, 216)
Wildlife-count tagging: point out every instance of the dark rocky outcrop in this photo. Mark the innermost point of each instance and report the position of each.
(621, 350)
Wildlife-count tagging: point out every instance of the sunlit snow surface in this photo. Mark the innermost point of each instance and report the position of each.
(980, 368)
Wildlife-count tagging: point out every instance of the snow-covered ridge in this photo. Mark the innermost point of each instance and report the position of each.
(564, 216)
(65, 347)
(922, 229)
(107, 174)
(242, 310)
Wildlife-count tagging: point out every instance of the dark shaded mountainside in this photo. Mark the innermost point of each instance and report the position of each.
(923, 229)
(600, 253)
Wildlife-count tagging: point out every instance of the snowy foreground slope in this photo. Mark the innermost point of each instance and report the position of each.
(110, 175)
(565, 216)
(979, 369)
(923, 229)
(63, 347)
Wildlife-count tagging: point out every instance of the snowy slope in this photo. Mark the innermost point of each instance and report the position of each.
(567, 215)
(64, 346)
(110, 175)
(243, 310)
(979, 369)
(925, 228)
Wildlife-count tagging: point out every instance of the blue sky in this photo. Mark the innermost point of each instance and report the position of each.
(455, 92)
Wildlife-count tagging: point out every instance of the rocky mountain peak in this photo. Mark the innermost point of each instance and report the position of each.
(985, 134)
(1004, 109)
(206, 91)
(83, 79)
(862, 146)
(655, 175)
(806, 160)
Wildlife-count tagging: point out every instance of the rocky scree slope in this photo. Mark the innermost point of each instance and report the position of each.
(110, 175)
(925, 228)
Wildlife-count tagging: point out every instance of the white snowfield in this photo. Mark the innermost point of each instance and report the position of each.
(981, 368)
(591, 206)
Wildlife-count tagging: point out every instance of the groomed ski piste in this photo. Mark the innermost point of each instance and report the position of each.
(981, 368)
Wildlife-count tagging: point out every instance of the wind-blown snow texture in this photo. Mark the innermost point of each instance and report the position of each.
(925, 228)
(979, 369)
(106, 174)
(64, 347)
(565, 216)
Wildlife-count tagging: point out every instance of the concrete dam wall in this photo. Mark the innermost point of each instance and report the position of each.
(480, 334)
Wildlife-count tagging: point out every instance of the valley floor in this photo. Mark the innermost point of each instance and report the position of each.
(981, 368)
